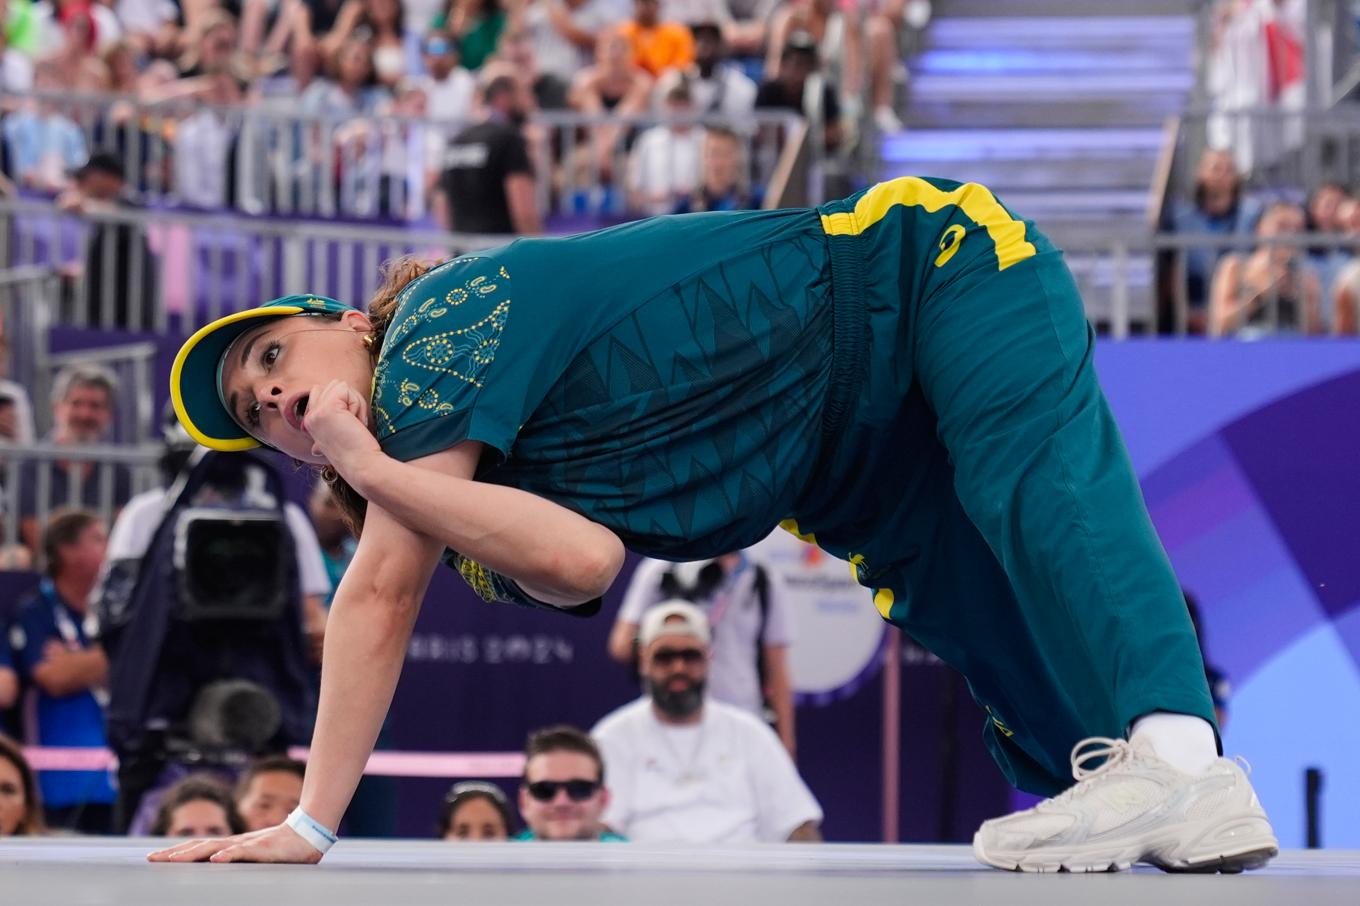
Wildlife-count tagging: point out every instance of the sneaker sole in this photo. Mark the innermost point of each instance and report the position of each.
(1228, 865)
(1228, 856)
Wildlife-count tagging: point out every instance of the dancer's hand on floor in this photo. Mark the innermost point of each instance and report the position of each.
(273, 844)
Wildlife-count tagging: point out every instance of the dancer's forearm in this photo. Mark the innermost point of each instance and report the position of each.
(558, 555)
(367, 633)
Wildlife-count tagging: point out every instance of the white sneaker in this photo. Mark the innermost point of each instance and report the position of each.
(1135, 807)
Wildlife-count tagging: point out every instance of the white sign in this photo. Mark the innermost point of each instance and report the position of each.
(837, 632)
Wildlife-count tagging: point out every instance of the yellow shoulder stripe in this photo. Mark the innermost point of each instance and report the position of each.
(976, 201)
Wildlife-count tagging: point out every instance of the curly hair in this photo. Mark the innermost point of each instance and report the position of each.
(397, 273)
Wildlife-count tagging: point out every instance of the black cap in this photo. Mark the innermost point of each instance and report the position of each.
(801, 42)
(105, 162)
(712, 29)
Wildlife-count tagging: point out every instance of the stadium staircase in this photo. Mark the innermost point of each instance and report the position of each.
(1058, 106)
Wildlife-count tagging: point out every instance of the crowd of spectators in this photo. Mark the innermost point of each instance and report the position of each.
(288, 106)
(1302, 278)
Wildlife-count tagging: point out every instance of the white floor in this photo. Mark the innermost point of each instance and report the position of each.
(71, 871)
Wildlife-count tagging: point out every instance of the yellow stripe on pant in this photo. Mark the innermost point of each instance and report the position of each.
(976, 201)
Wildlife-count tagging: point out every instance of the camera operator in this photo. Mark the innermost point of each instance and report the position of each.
(211, 608)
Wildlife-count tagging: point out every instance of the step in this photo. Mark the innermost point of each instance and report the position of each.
(1064, 8)
(1108, 205)
(989, 144)
(1094, 203)
(1081, 234)
(1150, 33)
(1057, 86)
(986, 60)
(1072, 201)
(1005, 177)
(1102, 269)
(1028, 158)
(1127, 112)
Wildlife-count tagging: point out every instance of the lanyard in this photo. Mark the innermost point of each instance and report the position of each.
(70, 633)
(66, 626)
(727, 591)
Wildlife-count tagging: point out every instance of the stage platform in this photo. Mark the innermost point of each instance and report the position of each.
(75, 871)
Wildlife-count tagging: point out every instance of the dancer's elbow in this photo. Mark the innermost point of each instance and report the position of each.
(584, 572)
(603, 567)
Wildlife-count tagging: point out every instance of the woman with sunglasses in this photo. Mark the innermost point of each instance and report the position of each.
(903, 376)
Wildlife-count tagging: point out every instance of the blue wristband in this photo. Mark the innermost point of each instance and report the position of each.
(314, 832)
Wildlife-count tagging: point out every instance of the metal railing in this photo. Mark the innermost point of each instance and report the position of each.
(200, 266)
(30, 306)
(1303, 148)
(1233, 49)
(267, 158)
(27, 303)
(1141, 285)
(210, 266)
(1246, 96)
(133, 364)
(37, 479)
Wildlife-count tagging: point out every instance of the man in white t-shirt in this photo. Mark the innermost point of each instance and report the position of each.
(688, 769)
(449, 88)
(748, 612)
(663, 166)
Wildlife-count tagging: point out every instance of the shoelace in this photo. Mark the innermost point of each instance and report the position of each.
(1114, 752)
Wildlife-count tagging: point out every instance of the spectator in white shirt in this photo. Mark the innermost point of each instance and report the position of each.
(688, 12)
(664, 165)
(16, 68)
(449, 88)
(690, 770)
(747, 609)
(564, 32)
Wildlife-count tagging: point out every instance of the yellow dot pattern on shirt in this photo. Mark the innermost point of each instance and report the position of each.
(478, 341)
(462, 353)
(477, 577)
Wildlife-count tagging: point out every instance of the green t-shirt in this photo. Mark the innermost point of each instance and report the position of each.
(664, 378)
(480, 41)
(21, 28)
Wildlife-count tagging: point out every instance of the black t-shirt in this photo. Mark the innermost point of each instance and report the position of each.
(476, 164)
(773, 94)
(550, 92)
(324, 13)
(120, 245)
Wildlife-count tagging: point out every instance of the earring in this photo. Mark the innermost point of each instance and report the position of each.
(368, 341)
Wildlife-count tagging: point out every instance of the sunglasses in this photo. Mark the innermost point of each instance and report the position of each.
(577, 790)
(690, 657)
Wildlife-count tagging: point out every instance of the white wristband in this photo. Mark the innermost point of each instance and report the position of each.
(314, 832)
